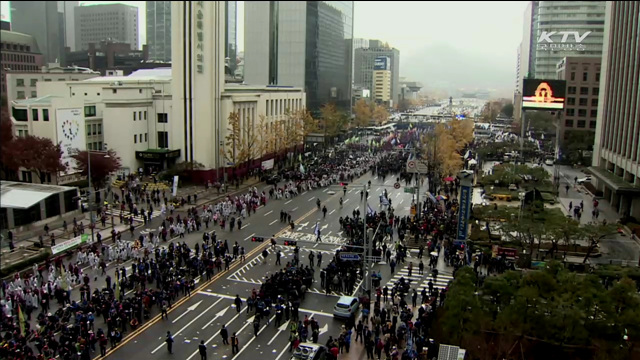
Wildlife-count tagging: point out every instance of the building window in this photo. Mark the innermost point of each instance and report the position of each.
(23, 133)
(584, 101)
(139, 115)
(594, 102)
(571, 90)
(34, 114)
(163, 140)
(134, 116)
(34, 94)
(597, 77)
(94, 130)
(145, 114)
(582, 124)
(100, 146)
(568, 123)
(135, 138)
(20, 95)
(571, 101)
(47, 80)
(88, 130)
(19, 114)
(115, 91)
(594, 113)
(582, 112)
(99, 129)
(595, 91)
(34, 82)
(163, 118)
(585, 76)
(90, 146)
(45, 114)
(89, 111)
(146, 138)
(570, 112)
(573, 76)
(592, 124)
(584, 91)
(20, 82)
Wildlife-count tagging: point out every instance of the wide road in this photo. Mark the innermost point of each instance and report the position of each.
(201, 316)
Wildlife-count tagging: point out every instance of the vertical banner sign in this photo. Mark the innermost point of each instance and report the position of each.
(199, 37)
(174, 191)
(463, 213)
(70, 130)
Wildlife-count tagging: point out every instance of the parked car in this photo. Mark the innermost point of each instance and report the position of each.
(548, 162)
(584, 179)
(346, 307)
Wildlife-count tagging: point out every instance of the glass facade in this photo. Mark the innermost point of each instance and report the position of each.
(159, 30)
(231, 37)
(329, 52)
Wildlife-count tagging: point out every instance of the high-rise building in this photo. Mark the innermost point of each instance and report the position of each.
(526, 54)
(359, 43)
(302, 44)
(20, 52)
(382, 80)
(112, 22)
(66, 8)
(565, 28)
(363, 64)
(159, 30)
(582, 76)
(616, 156)
(230, 35)
(39, 19)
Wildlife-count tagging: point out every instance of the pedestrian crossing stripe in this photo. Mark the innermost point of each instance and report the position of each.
(404, 272)
(331, 293)
(325, 239)
(441, 282)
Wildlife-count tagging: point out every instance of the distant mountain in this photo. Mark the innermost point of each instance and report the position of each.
(441, 66)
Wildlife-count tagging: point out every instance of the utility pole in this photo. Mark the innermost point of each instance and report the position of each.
(92, 223)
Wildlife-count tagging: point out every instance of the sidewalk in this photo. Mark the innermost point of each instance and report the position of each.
(578, 193)
(209, 196)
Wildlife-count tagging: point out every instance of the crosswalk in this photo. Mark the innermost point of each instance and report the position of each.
(441, 282)
(404, 272)
(127, 214)
(304, 237)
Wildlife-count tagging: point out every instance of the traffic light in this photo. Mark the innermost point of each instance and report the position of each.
(257, 239)
(290, 243)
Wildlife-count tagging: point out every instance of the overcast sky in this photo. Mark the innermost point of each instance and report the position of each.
(442, 44)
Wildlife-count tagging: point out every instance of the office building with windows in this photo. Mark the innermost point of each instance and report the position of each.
(301, 44)
(41, 20)
(566, 28)
(364, 62)
(616, 156)
(159, 30)
(22, 84)
(111, 22)
(582, 76)
(20, 52)
(67, 9)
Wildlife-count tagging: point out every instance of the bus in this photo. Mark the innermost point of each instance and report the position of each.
(380, 130)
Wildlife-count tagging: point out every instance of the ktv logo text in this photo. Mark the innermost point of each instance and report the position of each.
(559, 41)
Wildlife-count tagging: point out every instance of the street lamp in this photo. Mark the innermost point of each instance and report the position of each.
(91, 202)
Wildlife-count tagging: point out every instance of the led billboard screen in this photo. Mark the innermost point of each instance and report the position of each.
(543, 94)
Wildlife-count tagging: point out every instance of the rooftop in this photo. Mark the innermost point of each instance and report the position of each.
(24, 195)
(44, 100)
(157, 74)
(20, 38)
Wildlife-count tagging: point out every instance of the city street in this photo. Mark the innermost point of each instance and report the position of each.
(201, 316)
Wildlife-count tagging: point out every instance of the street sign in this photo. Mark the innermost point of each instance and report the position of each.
(411, 164)
(396, 185)
(345, 256)
(409, 190)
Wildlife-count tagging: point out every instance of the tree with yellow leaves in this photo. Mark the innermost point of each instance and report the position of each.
(333, 121)
(380, 115)
(235, 152)
(250, 141)
(443, 146)
(363, 113)
(462, 132)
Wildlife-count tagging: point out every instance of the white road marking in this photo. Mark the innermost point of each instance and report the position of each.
(313, 197)
(401, 201)
(249, 237)
(304, 193)
(273, 222)
(332, 211)
(346, 201)
(398, 194)
(270, 211)
(294, 209)
(288, 201)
